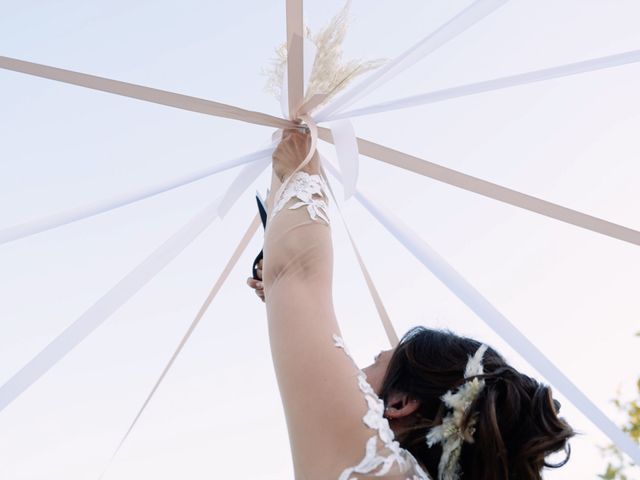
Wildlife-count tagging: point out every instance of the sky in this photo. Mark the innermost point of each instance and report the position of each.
(573, 292)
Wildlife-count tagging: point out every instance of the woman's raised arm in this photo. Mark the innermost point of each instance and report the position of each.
(331, 412)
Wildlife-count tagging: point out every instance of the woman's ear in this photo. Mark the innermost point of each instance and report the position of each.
(400, 405)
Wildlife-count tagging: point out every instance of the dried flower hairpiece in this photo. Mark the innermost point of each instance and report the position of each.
(450, 433)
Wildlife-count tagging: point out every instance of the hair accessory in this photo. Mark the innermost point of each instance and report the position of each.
(450, 433)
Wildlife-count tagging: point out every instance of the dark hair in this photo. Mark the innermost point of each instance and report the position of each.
(517, 424)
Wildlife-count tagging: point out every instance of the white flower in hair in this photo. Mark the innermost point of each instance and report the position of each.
(450, 432)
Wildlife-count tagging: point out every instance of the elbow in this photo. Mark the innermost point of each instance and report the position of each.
(309, 263)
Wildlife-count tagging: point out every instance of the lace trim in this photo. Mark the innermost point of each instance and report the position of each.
(304, 186)
(375, 420)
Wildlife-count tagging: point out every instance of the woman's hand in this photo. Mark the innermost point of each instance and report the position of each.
(290, 152)
(257, 284)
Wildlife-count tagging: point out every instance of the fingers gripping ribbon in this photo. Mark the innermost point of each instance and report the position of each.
(309, 189)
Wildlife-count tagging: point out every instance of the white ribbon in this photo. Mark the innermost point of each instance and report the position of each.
(390, 331)
(212, 294)
(471, 297)
(309, 59)
(344, 139)
(496, 84)
(489, 189)
(245, 178)
(119, 294)
(284, 95)
(458, 24)
(32, 227)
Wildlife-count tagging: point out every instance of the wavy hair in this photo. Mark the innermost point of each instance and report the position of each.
(516, 417)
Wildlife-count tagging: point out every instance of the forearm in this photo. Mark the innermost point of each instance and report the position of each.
(297, 246)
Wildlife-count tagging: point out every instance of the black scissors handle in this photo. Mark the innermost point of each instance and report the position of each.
(263, 216)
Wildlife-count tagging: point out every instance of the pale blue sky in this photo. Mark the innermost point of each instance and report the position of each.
(573, 141)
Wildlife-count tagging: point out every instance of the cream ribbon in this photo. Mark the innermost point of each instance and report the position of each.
(240, 248)
(111, 301)
(471, 15)
(346, 144)
(372, 149)
(153, 95)
(245, 178)
(489, 189)
(43, 224)
(295, 61)
(496, 84)
(389, 330)
(343, 133)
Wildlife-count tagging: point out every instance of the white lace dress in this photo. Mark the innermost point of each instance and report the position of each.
(302, 243)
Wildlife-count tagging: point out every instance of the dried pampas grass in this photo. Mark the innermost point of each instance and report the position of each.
(329, 74)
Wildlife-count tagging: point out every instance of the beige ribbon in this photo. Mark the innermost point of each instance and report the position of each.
(392, 336)
(315, 100)
(242, 245)
(153, 95)
(295, 61)
(377, 300)
(371, 149)
(488, 189)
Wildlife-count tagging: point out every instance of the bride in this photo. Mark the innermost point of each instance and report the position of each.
(437, 406)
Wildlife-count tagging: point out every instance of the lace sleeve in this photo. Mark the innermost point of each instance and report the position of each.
(311, 192)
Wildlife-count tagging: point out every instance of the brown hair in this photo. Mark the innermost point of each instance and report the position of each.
(517, 423)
